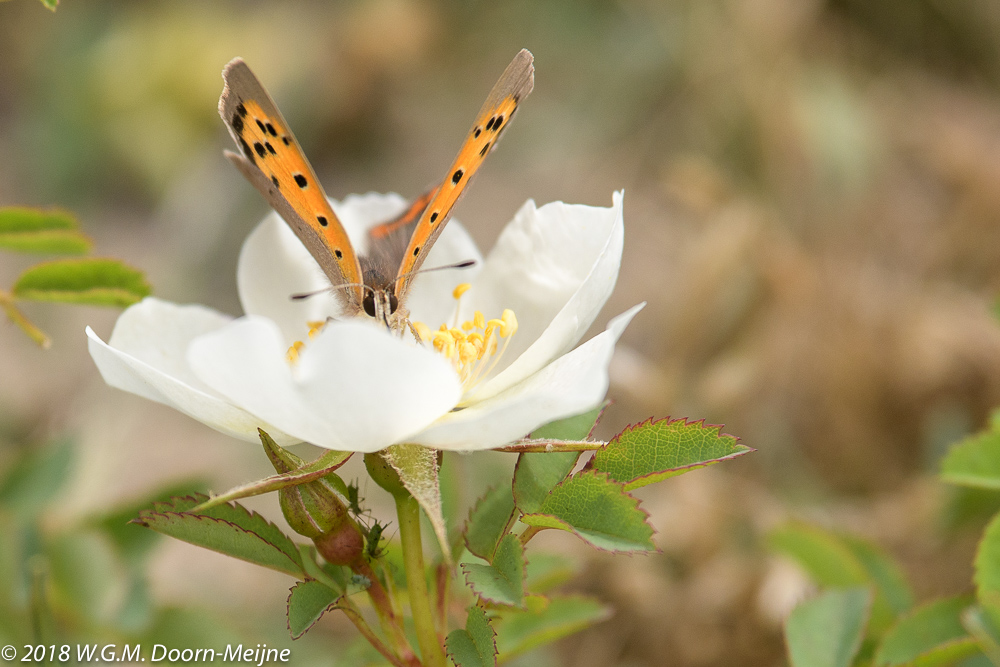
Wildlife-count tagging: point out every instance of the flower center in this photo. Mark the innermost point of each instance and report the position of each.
(473, 347)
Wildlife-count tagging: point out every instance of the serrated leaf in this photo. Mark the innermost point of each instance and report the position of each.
(501, 581)
(475, 646)
(489, 520)
(417, 468)
(932, 634)
(840, 560)
(827, 630)
(37, 231)
(521, 631)
(535, 475)
(228, 529)
(974, 461)
(95, 282)
(655, 450)
(307, 602)
(598, 510)
(36, 477)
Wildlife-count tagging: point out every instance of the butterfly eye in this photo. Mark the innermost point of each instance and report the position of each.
(369, 303)
(393, 303)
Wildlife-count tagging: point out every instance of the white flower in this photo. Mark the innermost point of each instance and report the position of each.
(351, 386)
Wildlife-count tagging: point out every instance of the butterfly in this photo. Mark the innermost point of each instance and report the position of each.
(374, 285)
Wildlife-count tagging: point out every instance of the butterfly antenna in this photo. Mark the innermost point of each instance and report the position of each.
(457, 265)
(331, 288)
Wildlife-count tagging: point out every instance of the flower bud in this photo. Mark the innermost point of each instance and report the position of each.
(385, 475)
(315, 510)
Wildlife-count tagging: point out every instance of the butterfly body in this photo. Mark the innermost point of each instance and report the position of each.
(374, 285)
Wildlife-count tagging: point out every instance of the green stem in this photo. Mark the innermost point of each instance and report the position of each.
(352, 613)
(408, 512)
(528, 533)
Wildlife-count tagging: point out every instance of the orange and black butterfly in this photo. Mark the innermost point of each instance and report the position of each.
(376, 284)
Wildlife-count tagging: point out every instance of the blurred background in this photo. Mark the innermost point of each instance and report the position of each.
(812, 213)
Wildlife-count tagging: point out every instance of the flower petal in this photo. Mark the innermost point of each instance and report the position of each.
(572, 384)
(555, 267)
(354, 387)
(274, 264)
(145, 356)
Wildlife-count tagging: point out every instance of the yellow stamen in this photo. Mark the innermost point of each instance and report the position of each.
(293, 352)
(315, 327)
(460, 290)
(473, 347)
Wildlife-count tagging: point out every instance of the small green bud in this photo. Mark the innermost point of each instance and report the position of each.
(385, 475)
(315, 510)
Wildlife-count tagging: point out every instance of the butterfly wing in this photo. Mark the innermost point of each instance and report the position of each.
(501, 104)
(274, 163)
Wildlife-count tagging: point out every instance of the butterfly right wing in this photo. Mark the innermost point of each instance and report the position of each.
(274, 163)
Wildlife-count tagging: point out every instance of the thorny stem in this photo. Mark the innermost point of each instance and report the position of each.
(358, 620)
(408, 512)
(391, 622)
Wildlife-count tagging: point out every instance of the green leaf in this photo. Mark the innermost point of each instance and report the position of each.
(307, 602)
(36, 477)
(38, 231)
(827, 630)
(50, 4)
(535, 475)
(228, 529)
(417, 468)
(521, 631)
(502, 581)
(475, 646)
(932, 634)
(489, 520)
(655, 450)
(132, 542)
(841, 560)
(974, 461)
(95, 282)
(598, 510)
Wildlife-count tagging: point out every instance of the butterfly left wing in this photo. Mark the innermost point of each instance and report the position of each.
(494, 117)
(274, 163)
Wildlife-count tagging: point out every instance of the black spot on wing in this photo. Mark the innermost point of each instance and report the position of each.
(241, 110)
(434, 216)
(274, 179)
(457, 176)
(247, 151)
(496, 125)
(321, 219)
(285, 139)
(259, 147)
(260, 125)
(339, 254)
(489, 125)
(301, 181)
(269, 147)
(271, 130)
(237, 123)
(478, 131)
(486, 148)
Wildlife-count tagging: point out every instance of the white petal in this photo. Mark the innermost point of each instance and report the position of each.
(274, 265)
(354, 387)
(555, 267)
(570, 385)
(146, 356)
